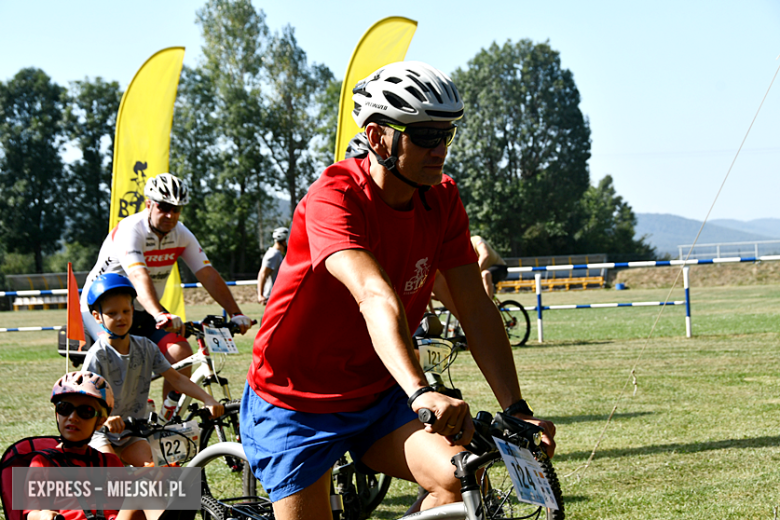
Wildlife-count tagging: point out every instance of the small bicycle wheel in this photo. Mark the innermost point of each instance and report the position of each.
(210, 509)
(227, 487)
(516, 321)
(224, 429)
(501, 502)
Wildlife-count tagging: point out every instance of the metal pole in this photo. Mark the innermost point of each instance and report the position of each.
(686, 285)
(538, 279)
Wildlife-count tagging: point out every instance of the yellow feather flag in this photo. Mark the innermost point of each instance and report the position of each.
(385, 42)
(142, 145)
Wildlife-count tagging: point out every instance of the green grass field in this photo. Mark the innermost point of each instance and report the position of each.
(699, 439)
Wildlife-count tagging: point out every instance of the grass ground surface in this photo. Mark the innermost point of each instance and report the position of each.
(699, 439)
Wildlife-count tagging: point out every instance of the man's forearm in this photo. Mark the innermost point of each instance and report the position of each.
(218, 289)
(146, 293)
(390, 335)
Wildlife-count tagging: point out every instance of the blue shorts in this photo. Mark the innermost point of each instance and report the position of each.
(289, 451)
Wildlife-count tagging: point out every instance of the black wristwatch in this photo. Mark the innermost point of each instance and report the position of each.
(519, 407)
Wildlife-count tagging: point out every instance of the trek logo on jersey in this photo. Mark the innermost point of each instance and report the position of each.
(421, 269)
(163, 257)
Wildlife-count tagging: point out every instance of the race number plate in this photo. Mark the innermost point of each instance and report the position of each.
(220, 340)
(531, 485)
(433, 358)
(176, 443)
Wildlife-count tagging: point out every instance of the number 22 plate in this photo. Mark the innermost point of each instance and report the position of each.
(527, 476)
(176, 443)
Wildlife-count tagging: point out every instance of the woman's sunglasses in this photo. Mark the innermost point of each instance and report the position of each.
(85, 411)
(426, 137)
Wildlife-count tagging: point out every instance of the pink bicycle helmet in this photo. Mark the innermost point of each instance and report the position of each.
(85, 383)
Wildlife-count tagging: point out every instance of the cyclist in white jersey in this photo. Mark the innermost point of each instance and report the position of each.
(144, 247)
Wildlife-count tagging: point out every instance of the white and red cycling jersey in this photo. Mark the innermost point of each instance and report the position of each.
(133, 245)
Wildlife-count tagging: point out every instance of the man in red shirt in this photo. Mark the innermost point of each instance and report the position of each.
(333, 364)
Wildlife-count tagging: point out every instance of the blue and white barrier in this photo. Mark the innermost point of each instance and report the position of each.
(648, 263)
(31, 329)
(604, 305)
(539, 307)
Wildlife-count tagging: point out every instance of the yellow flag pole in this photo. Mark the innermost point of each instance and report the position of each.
(142, 145)
(384, 42)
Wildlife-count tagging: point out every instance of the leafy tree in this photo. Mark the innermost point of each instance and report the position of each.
(90, 120)
(608, 225)
(291, 113)
(32, 176)
(522, 148)
(194, 155)
(236, 38)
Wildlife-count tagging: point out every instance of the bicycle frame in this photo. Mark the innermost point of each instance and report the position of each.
(204, 375)
(470, 508)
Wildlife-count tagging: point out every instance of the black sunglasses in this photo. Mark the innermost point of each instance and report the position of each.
(165, 207)
(85, 411)
(426, 137)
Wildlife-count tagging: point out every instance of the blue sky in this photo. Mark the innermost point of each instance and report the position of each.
(670, 87)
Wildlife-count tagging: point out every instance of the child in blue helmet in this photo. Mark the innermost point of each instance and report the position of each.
(128, 362)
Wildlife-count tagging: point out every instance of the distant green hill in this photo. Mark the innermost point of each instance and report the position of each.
(665, 232)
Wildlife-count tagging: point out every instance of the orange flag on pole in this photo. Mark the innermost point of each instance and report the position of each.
(75, 328)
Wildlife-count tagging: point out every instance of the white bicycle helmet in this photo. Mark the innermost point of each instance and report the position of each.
(167, 188)
(281, 233)
(406, 92)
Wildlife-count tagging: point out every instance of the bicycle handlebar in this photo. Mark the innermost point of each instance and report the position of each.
(218, 322)
(145, 428)
(486, 426)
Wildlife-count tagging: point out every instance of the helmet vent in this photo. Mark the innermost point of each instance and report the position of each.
(435, 93)
(397, 102)
(394, 80)
(410, 71)
(419, 84)
(445, 115)
(416, 93)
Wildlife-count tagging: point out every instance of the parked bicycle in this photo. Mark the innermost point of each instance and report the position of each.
(516, 321)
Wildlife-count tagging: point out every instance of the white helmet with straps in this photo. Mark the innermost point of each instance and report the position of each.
(167, 188)
(281, 233)
(406, 92)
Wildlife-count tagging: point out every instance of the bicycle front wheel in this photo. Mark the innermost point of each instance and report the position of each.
(222, 491)
(516, 321)
(500, 499)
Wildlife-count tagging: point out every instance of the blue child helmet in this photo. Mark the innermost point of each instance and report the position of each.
(109, 282)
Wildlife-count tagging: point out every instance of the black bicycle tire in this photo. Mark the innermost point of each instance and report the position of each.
(514, 322)
(211, 509)
(233, 425)
(362, 492)
(248, 481)
(378, 493)
(508, 507)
